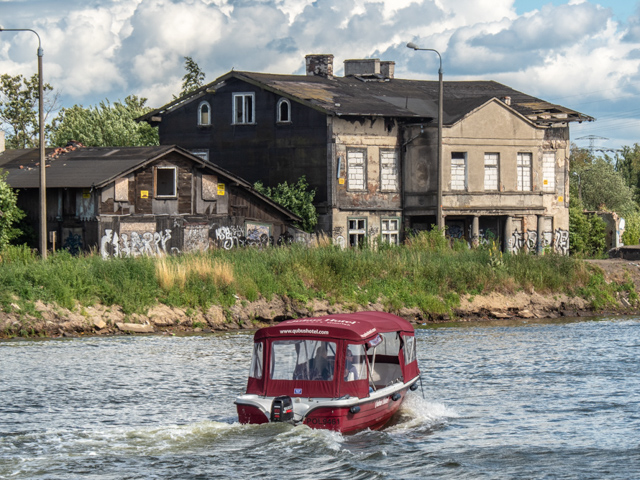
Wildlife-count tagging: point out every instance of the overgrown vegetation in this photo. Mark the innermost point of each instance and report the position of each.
(297, 198)
(425, 273)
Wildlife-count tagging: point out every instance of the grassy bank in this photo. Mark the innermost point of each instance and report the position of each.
(426, 273)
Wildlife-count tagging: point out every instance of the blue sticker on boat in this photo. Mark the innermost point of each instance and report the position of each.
(297, 391)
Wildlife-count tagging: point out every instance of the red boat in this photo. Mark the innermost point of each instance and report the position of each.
(343, 372)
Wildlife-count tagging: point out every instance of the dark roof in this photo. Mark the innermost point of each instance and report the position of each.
(407, 99)
(87, 167)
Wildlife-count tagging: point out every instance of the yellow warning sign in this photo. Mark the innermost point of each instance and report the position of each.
(144, 193)
(221, 189)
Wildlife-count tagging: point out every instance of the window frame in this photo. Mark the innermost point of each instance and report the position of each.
(488, 168)
(464, 166)
(281, 102)
(234, 108)
(204, 103)
(175, 181)
(394, 171)
(520, 175)
(389, 232)
(360, 233)
(549, 183)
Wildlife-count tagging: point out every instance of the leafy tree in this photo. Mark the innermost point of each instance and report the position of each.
(106, 125)
(193, 78)
(587, 233)
(19, 112)
(295, 197)
(628, 164)
(597, 185)
(10, 214)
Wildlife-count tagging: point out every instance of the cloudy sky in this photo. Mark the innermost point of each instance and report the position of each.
(582, 54)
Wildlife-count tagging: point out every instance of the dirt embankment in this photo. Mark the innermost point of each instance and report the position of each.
(53, 321)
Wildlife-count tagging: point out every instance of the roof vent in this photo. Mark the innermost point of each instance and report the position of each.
(320, 65)
(506, 100)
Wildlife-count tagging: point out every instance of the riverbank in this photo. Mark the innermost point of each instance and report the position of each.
(50, 320)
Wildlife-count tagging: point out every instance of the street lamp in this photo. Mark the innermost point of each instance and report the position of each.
(439, 217)
(43, 182)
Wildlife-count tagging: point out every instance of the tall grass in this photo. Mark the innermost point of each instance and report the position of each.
(425, 273)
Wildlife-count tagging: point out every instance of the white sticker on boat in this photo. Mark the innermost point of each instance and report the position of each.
(381, 402)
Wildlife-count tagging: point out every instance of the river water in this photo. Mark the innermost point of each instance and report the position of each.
(548, 399)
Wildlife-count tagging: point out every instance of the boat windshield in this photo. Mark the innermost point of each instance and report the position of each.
(302, 360)
(355, 365)
(256, 361)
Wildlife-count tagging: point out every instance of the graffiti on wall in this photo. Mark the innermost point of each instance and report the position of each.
(135, 244)
(559, 240)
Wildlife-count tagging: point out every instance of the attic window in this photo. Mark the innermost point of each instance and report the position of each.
(166, 182)
(204, 113)
(243, 108)
(284, 111)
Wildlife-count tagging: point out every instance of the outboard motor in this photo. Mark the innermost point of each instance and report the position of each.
(282, 409)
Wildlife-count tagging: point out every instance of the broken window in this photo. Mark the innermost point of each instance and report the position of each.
(166, 181)
(357, 231)
(549, 171)
(491, 171)
(204, 114)
(243, 108)
(284, 111)
(458, 171)
(524, 172)
(355, 169)
(390, 230)
(388, 171)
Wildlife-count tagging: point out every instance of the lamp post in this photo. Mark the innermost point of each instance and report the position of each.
(43, 182)
(439, 217)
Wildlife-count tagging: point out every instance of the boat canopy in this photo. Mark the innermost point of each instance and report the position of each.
(332, 356)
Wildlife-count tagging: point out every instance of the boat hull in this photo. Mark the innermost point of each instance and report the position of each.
(372, 413)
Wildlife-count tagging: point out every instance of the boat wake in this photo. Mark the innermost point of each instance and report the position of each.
(420, 415)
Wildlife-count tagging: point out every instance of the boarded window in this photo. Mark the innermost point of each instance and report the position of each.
(122, 190)
(549, 171)
(243, 108)
(491, 171)
(458, 171)
(166, 181)
(524, 172)
(388, 171)
(355, 169)
(209, 187)
(204, 114)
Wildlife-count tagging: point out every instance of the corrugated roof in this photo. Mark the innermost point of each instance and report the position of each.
(408, 99)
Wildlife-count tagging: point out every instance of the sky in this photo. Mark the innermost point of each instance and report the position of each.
(584, 55)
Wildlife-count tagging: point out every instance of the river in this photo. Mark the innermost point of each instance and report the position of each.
(545, 399)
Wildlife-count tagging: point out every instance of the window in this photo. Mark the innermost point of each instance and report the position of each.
(284, 111)
(166, 181)
(355, 367)
(243, 108)
(549, 171)
(390, 230)
(388, 171)
(491, 171)
(203, 154)
(355, 169)
(458, 171)
(204, 113)
(256, 361)
(524, 172)
(357, 231)
(302, 360)
(409, 349)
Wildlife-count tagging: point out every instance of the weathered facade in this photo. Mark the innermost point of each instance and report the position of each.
(367, 142)
(131, 201)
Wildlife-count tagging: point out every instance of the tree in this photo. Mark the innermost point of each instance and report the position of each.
(10, 214)
(587, 233)
(193, 78)
(106, 125)
(295, 197)
(628, 164)
(19, 113)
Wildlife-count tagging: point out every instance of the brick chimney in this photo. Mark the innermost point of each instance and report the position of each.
(387, 69)
(319, 64)
(365, 67)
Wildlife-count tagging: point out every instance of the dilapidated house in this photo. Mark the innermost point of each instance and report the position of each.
(367, 142)
(129, 201)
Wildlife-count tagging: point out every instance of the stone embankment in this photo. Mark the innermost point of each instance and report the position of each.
(53, 321)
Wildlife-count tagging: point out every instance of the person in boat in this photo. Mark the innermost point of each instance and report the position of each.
(350, 371)
(323, 365)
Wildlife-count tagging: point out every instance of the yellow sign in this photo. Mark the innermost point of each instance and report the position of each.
(546, 182)
(560, 199)
(86, 193)
(341, 181)
(221, 189)
(144, 193)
